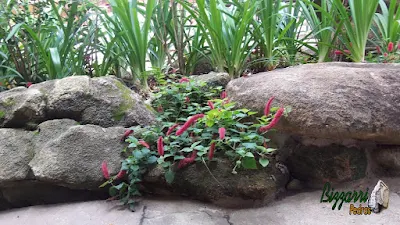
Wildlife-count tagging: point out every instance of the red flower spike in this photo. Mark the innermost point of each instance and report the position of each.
(221, 132)
(126, 134)
(28, 84)
(187, 100)
(104, 169)
(121, 174)
(184, 79)
(160, 146)
(347, 52)
(378, 50)
(172, 128)
(210, 104)
(398, 46)
(211, 152)
(186, 161)
(223, 95)
(385, 54)
(268, 106)
(338, 52)
(226, 101)
(144, 144)
(274, 121)
(160, 109)
(188, 123)
(390, 47)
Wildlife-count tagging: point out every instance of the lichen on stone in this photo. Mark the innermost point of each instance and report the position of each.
(126, 104)
(8, 102)
(2, 114)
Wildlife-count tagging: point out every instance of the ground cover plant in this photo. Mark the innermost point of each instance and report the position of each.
(196, 124)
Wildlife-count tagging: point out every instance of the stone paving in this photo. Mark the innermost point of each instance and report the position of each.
(303, 208)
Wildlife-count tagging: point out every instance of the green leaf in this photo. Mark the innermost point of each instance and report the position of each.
(235, 139)
(263, 162)
(113, 191)
(240, 151)
(239, 125)
(249, 145)
(13, 31)
(104, 184)
(178, 157)
(269, 150)
(152, 159)
(249, 154)
(249, 163)
(137, 154)
(195, 144)
(169, 176)
(200, 148)
(132, 145)
(186, 150)
(120, 186)
(210, 123)
(135, 167)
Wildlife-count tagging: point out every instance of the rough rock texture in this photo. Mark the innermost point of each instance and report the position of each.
(334, 163)
(387, 159)
(248, 188)
(72, 159)
(20, 106)
(58, 162)
(214, 78)
(103, 101)
(302, 208)
(16, 150)
(329, 100)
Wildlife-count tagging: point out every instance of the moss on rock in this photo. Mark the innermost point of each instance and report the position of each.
(126, 104)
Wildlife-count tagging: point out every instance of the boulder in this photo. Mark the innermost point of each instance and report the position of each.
(59, 162)
(20, 106)
(103, 101)
(247, 188)
(315, 165)
(16, 151)
(73, 156)
(387, 160)
(329, 100)
(213, 78)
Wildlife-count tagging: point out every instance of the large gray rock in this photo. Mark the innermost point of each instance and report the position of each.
(217, 184)
(213, 78)
(16, 150)
(73, 157)
(387, 159)
(103, 101)
(59, 162)
(329, 100)
(20, 106)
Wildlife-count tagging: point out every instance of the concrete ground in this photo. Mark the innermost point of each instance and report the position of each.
(302, 208)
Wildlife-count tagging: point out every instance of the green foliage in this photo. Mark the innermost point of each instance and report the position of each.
(132, 35)
(387, 23)
(241, 143)
(321, 19)
(172, 97)
(357, 23)
(49, 40)
(226, 31)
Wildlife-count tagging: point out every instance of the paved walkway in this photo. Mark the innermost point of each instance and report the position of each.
(303, 208)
